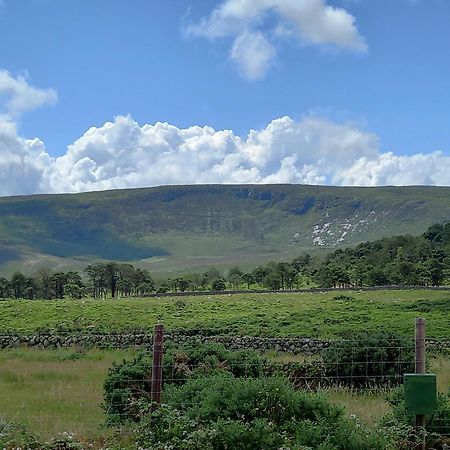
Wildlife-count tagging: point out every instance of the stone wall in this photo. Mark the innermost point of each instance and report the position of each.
(141, 339)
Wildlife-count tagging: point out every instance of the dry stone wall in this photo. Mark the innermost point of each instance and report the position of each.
(294, 345)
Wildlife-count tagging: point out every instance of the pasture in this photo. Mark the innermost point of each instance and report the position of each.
(320, 315)
(54, 391)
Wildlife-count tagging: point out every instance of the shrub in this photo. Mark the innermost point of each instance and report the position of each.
(344, 298)
(437, 425)
(130, 380)
(223, 412)
(13, 436)
(368, 361)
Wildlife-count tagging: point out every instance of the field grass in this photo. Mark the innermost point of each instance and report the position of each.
(286, 314)
(54, 391)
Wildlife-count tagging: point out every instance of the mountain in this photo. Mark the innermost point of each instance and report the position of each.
(181, 228)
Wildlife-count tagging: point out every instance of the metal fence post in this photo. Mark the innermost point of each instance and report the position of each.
(157, 364)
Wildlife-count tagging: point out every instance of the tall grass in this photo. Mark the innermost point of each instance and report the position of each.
(55, 391)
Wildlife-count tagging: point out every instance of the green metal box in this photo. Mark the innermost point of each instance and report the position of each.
(420, 393)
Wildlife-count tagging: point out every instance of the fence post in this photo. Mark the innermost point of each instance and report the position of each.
(157, 364)
(420, 367)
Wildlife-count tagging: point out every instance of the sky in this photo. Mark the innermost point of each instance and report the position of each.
(106, 94)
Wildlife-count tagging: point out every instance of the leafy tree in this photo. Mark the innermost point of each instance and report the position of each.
(18, 284)
(218, 285)
(259, 274)
(5, 288)
(45, 283)
(272, 281)
(249, 279)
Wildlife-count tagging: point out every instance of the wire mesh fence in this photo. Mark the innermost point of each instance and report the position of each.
(354, 367)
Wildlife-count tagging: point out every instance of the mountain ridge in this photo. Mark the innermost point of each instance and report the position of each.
(180, 225)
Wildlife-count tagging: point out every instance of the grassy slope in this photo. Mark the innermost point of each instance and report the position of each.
(195, 226)
(289, 314)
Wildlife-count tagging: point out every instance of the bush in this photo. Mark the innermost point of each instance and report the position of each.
(130, 380)
(368, 361)
(223, 412)
(437, 425)
(344, 298)
(13, 436)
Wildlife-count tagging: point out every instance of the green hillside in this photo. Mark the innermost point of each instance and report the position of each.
(177, 228)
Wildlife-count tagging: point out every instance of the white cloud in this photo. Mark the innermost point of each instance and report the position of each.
(253, 54)
(124, 154)
(18, 96)
(310, 21)
(387, 168)
(24, 163)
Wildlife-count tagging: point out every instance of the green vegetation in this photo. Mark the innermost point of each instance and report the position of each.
(129, 382)
(61, 391)
(368, 360)
(287, 314)
(219, 399)
(223, 412)
(401, 260)
(55, 391)
(185, 228)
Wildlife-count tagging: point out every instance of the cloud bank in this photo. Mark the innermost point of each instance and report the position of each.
(125, 154)
(255, 28)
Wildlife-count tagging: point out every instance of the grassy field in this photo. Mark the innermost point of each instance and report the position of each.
(287, 314)
(54, 391)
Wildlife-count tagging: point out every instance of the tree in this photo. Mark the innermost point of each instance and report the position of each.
(272, 281)
(112, 277)
(249, 279)
(259, 273)
(45, 283)
(143, 282)
(58, 281)
(74, 291)
(18, 284)
(31, 288)
(218, 285)
(5, 288)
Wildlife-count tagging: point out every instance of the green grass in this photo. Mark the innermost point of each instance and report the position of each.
(284, 315)
(55, 391)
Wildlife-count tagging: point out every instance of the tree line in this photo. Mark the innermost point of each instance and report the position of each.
(401, 260)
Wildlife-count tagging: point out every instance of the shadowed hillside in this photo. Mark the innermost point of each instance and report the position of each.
(181, 227)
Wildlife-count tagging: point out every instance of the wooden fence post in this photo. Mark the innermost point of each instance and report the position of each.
(420, 368)
(157, 364)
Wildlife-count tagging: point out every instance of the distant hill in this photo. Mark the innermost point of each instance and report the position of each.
(178, 228)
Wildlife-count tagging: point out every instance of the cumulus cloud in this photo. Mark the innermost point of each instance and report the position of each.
(125, 154)
(18, 96)
(24, 163)
(308, 21)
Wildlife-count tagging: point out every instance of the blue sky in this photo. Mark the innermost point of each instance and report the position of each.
(381, 69)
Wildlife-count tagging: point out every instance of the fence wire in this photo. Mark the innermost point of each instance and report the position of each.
(347, 366)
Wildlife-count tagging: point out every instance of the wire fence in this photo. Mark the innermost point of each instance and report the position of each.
(354, 368)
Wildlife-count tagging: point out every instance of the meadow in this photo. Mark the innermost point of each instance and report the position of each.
(55, 391)
(321, 315)
(52, 391)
